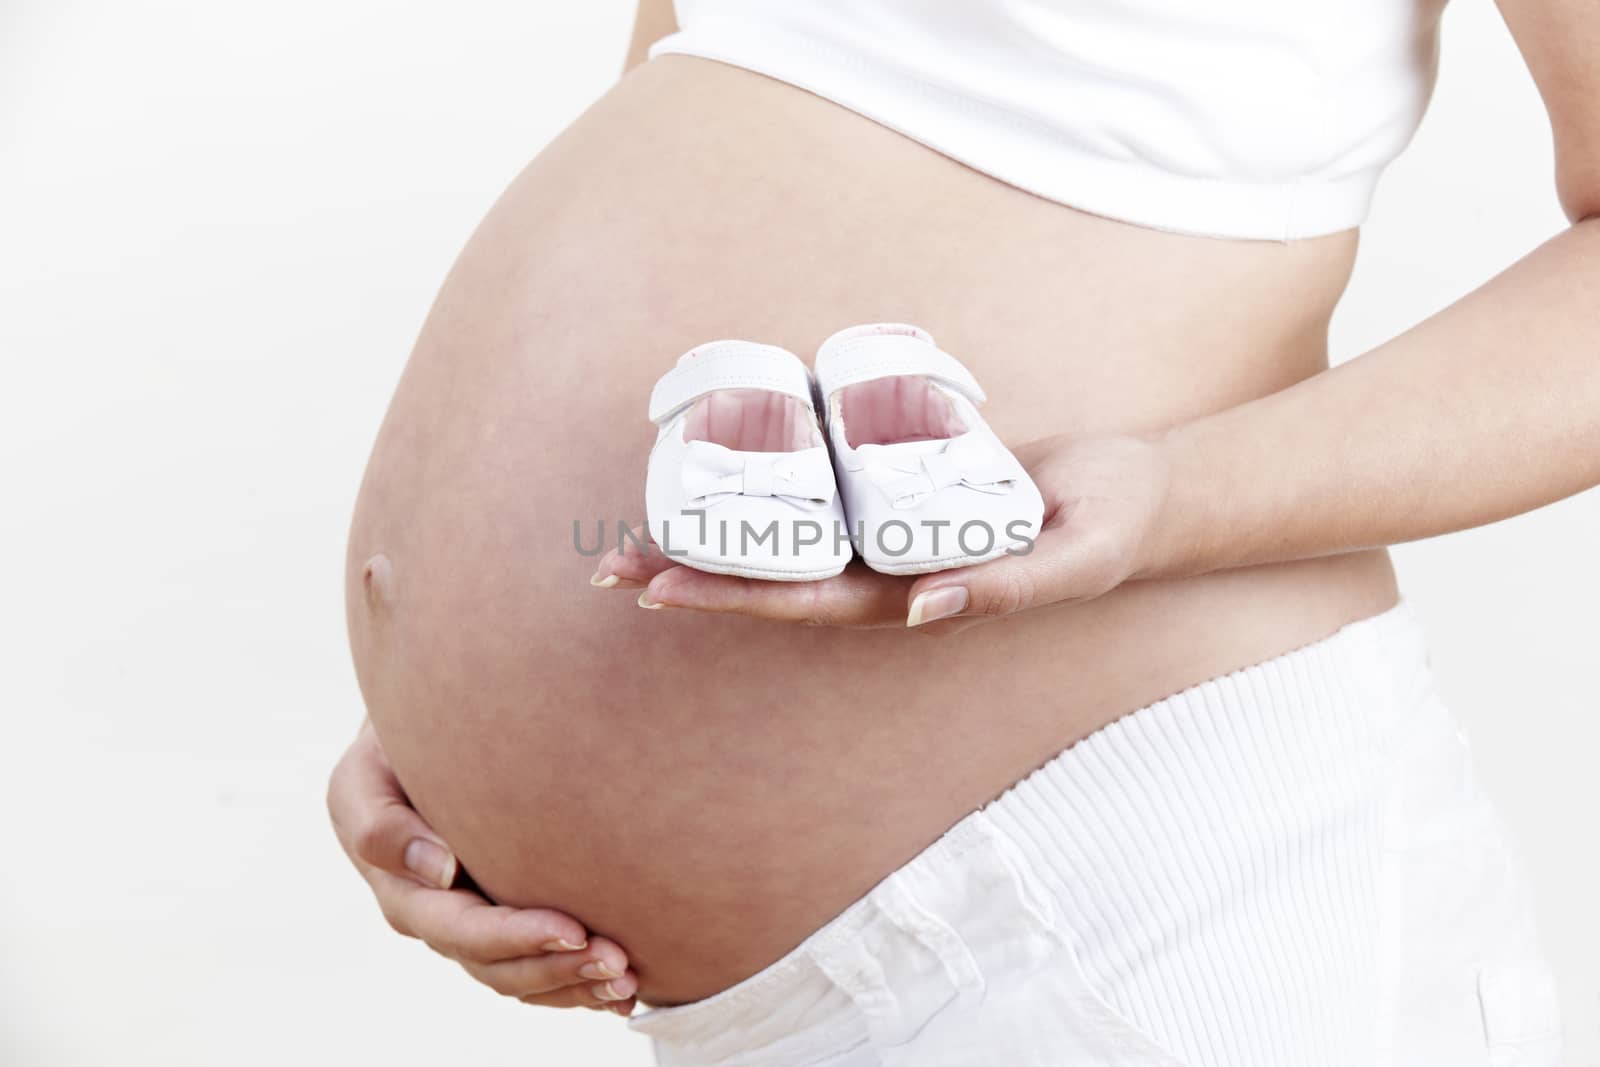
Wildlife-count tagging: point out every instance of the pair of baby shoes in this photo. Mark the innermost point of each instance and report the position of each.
(744, 480)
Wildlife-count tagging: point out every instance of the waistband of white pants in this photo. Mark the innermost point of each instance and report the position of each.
(1257, 747)
(1295, 744)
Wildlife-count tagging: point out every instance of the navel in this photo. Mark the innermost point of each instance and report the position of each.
(377, 582)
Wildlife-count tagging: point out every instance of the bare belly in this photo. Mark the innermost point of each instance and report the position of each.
(707, 790)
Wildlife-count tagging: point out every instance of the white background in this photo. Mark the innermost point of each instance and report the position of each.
(220, 227)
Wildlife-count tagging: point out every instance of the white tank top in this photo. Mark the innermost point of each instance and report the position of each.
(1230, 118)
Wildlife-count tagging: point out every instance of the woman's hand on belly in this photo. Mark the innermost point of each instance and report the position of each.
(536, 955)
(1103, 497)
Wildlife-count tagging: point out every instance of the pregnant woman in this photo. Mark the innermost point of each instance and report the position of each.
(1175, 787)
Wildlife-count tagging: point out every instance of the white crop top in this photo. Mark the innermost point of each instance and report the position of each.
(1263, 119)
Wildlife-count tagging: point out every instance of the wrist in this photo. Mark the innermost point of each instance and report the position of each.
(1182, 532)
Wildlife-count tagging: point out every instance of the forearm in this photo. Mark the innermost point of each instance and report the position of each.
(1486, 410)
(655, 19)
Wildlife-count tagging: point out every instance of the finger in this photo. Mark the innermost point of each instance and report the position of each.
(468, 928)
(602, 961)
(631, 563)
(375, 822)
(615, 991)
(1059, 569)
(856, 597)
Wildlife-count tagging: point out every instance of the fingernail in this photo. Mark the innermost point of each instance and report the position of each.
(563, 945)
(607, 582)
(607, 992)
(648, 604)
(937, 604)
(598, 969)
(432, 864)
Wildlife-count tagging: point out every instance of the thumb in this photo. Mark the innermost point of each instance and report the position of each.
(375, 822)
(1057, 568)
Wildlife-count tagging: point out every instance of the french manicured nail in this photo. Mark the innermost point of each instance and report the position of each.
(563, 945)
(432, 864)
(607, 992)
(606, 582)
(648, 604)
(937, 604)
(598, 969)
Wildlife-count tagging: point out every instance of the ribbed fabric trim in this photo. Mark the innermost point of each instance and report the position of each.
(1007, 146)
(1217, 855)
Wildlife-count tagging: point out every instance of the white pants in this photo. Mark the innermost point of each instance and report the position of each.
(1290, 866)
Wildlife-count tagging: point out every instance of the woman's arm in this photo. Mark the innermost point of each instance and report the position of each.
(655, 19)
(1488, 409)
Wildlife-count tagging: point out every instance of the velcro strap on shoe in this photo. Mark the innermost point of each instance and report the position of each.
(729, 365)
(867, 353)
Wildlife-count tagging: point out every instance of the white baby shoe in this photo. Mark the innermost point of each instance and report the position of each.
(927, 486)
(739, 481)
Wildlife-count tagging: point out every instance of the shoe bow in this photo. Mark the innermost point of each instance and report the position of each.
(908, 478)
(712, 474)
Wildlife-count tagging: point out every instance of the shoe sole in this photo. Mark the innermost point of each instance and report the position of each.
(738, 570)
(928, 566)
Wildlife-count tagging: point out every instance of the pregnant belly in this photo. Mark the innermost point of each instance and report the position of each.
(708, 790)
